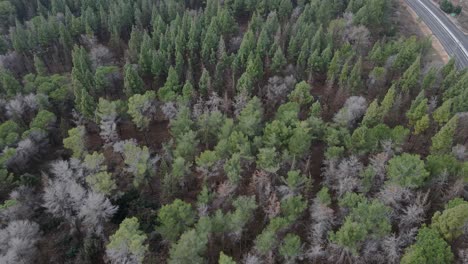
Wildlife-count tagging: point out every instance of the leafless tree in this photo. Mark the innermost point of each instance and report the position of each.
(358, 36)
(273, 206)
(460, 152)
(202, 106)
(26, 202)
(28, 150)
(316, 253)
(278, 88)
(95, 211)
(262, 185)
(378, 164)
(63, 199)
(414, 214)
(121, 256)
(240, 101)
(372, 252)
(235, 43)
(462, 256)
(453, 190)
(395, 196)
(169, 110)
(461, 133)
(71, 170)
(100, 55)
(323, 219)
(340, 255)
(12, 61)
(252, 259)
(108, 131)
(22, 107)
(344, 176)
(354, 108)
(392, 249)
(433, 102)
(18, 242)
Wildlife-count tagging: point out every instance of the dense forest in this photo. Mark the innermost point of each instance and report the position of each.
(227, 131)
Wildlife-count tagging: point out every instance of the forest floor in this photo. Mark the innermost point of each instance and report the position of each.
(410, 24)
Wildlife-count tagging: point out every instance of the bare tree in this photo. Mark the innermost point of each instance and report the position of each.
(340, 255)
(95, 211)
(378, 165)
(18, 242)
(392, 249)
(252, 259)
(372, 252)
(240, 101)
(278, 88)
(169, 110)
(460, 152)
(63, 199)
(22, 107)
(25, 204)
(396, 197)
(414, 214)
(122, 256)
(100, 55)
(354, 108)
(71, 170)
(358, 36)
(28, 150)
(344, 176)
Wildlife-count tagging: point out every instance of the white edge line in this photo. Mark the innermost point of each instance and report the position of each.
(465, 52)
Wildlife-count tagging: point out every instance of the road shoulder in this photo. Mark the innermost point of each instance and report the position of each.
(426, 31)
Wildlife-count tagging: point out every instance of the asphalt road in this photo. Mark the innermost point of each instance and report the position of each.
(454, 41)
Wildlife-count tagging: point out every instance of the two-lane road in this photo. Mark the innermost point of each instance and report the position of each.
(454, 41)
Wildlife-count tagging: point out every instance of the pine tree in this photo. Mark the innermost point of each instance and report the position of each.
(75, 141)
(450, 223)
(171, 87)
(418, 109)
(141, 108)
(355, 83)
(410, 78)
(443, 113)
(373, 115)
(315, 62)
(39, 65)
(422, 125)
(133, 83)
(86, 106)
(442, 141)
(175, 219)
(429, 79)
(210, 43)
(225, 259)
(334, 68)
(407, 170)
(145, 58)
(278, 61)
(429, 248)
(204, 85)
(127, 242)
(343, 79)
(254, 67)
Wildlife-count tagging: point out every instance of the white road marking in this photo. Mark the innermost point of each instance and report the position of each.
(460, 44)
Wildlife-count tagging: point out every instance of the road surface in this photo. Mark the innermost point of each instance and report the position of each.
(454, 41)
